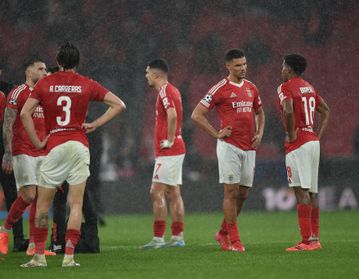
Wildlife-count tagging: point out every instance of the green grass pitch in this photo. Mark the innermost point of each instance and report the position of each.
(265, 236)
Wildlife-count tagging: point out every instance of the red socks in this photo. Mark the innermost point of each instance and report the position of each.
(72, 237)
(223, 230)
(40, 237)
(305, 222)
(315, 221)
(177, 228)
(233, 232)
(159, 228)
(17, 209)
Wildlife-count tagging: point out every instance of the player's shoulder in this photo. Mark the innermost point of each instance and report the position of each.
(170, 88)
(219, 86)
(249, 84)
(17, 90)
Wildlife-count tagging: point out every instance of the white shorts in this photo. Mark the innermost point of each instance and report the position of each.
(26, 170)
(68, 161)
(235, 165)
(302, 166)
(168, 170)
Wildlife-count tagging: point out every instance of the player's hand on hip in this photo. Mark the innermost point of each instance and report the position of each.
(89, 127)
(256, 140)
(164, 144)
(225, 132)
(43, 143)
(7, 163)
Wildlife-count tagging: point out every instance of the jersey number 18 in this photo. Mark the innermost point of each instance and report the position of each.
(309, 109)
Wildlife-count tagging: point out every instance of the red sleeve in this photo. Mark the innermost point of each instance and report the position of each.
(283, 93)
(14, 99)
(257, 102)
(211, 99)
(2, 105)
(166, 98)
(98, 92)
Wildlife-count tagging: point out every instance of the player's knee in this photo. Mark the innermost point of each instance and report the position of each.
(27, 194)
(231, 193)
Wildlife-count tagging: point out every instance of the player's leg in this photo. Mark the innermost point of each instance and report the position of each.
(75, 200)
(77, 176)
(44, 202)
(298, 169)
(10, 192)
(25, 196)
(231, 194)
(159, 206)
(173, 194)
(314, 240)
(229, 166)
(59, 220)
(247, 166)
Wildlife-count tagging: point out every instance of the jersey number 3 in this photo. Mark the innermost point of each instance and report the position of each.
(65, 103)
(309, 109)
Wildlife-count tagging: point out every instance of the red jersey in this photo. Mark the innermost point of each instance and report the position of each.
(236, 104)
(2, 106)
(21, 143)
(305, 102)
(168, 97)
(65, 97)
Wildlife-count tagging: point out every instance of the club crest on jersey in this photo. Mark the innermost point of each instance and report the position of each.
(249, 92)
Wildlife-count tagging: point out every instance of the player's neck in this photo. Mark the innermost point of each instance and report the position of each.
(73, 70)
(161, 83)
(235, 79)
(29, 83)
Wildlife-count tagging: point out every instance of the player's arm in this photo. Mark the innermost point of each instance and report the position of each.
(199, 118)
(116, 106)
(26, 118)
(323, 109)
(171, 127)
(9, 119)
(260, 121)
(289, 118)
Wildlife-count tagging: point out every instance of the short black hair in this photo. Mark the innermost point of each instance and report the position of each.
(234, 54)
(160, 64)
(68, 56)
(297, 62)
(31, 61)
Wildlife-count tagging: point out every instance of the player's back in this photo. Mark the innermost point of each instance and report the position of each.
(65, 97)
(305, 101)
(168, 96)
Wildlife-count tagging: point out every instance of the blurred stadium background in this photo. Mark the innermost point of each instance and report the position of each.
(118, 38)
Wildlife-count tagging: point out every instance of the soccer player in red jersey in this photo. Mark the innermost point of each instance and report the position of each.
(239, 108)
(298, 102)
(64, 96)
(169, 153)
(20, 154)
